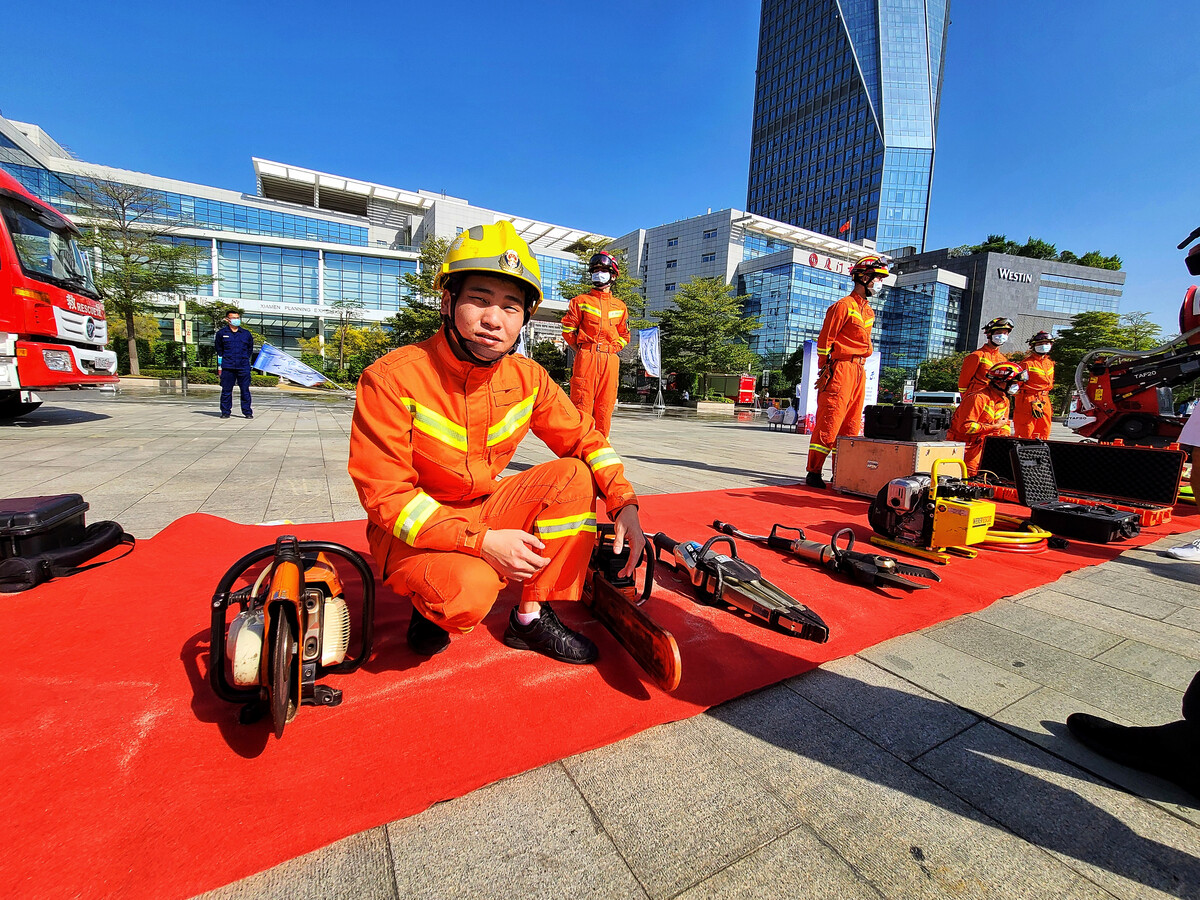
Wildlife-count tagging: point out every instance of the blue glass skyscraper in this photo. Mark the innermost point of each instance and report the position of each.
(845, 116)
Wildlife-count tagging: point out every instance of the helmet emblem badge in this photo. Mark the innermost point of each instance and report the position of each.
(510, 260)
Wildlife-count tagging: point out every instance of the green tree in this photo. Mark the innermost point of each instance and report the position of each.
(1066, 256)
(997, 243)
(346, 312)
(1088, 331)
(891, 382)
(1035, 248)
(550, 358)
(940, 374)
(626, 288)
(1098, 260)
(144, 327)
(140, 263)
(707, 330)
(1139, 332)
(793, 368)
(421, 315)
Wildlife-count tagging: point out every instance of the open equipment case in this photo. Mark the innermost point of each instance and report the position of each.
(1036, 488)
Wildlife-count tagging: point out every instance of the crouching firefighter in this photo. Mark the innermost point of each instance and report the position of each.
(986, 412)
(434, 426)
(842, 350)
(1032, 411)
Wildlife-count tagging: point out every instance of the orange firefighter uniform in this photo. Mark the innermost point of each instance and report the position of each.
(980, 414)
(1032, 411)
(597, 327)
(973, 376)
(842, 350)
(431, 435)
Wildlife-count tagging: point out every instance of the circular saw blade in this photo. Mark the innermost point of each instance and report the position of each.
(283, 669)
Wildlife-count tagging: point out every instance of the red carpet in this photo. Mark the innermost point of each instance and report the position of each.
(126, 777)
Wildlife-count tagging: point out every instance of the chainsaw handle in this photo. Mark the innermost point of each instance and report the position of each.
(664, 543)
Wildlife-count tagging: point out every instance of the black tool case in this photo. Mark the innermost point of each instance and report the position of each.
(1034, 472)
(1116, 472)
(906, 422)
(30, 526)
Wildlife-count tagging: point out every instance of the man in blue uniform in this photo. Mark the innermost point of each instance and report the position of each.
(235, 351)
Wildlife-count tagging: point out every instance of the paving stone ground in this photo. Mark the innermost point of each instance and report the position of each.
(933, 765)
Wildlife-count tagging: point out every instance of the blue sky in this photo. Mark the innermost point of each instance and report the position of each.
(1076, 122)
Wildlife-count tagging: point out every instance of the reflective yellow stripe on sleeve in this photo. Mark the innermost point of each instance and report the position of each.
(569, 526)
(602, 458)
(567, 330)
(586, 308)
(414, 515)
(516, 417)
(436, 426)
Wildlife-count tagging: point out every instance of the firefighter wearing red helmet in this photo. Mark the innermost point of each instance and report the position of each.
(842, 350)
(597, 327)
(1032, 410)
(973, 376)
(986, 412)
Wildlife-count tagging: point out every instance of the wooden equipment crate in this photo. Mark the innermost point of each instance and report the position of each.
(862, 466)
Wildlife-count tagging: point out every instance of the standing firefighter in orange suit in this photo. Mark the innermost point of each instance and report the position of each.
(973, 375)
(1032, 412)
(842, 350)
(434, 426)
(597, 327)
(984, 413)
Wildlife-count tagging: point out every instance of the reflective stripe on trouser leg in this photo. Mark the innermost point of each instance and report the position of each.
(839, 411)
(456, 590)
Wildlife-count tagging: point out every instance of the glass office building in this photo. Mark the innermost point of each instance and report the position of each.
(845, 116)
(303, 245)
(920, 318)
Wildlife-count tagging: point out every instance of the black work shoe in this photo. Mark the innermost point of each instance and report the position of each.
(547, 634)
(424, 637)
(814, 480)
(224, 415)
(249, 415)
(1169, 751)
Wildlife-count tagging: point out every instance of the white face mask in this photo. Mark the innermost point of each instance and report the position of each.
(1041, 348)
(999, 338)
(1013, 388)
(601, 277)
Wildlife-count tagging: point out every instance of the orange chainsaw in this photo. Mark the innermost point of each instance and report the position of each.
(617, 603)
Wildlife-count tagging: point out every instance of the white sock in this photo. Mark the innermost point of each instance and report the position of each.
(527, 618)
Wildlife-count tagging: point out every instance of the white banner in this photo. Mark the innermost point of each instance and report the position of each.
(649, 351)
(276, 362)
(806, 390)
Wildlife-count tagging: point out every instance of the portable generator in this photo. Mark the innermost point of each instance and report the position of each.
(293, 629)
(932, 515)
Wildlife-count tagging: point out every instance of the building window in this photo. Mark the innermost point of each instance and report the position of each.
(710, 233)
(708, 257)
(673, 242)
(672, 263)
(669, 286)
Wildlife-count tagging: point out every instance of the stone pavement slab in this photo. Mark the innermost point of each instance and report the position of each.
(927, 766)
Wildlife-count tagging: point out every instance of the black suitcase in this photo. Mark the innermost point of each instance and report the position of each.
(30, 526)
(1036, 488)
(906, 422)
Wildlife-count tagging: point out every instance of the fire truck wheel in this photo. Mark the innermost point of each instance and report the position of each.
(11, 405)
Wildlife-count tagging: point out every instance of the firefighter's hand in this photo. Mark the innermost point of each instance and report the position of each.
(628, 529)
(825, 376)
(513, 553)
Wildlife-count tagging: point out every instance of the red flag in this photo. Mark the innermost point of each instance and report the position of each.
(845, 227)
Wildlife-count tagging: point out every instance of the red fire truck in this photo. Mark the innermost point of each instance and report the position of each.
(52, 326)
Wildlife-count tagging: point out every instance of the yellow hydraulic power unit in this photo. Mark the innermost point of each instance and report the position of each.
(933, 516)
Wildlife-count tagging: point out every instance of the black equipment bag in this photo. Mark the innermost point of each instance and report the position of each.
(45, 537)
(906, 422)
(1036, 488)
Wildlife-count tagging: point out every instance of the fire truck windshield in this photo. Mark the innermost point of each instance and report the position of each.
(47, 251)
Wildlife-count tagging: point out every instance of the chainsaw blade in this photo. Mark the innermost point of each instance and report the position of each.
(283, 670)
(917, 572)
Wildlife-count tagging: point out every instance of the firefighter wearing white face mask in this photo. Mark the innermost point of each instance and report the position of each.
(597, 327)
(1032, 410)
(976, 366)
